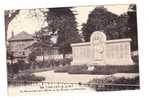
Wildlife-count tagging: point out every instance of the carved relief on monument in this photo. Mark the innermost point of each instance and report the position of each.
(98, 40)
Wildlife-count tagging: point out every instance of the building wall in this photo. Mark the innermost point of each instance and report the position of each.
(18, 47)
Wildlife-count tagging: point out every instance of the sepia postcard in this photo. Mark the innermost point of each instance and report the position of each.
(63, 49)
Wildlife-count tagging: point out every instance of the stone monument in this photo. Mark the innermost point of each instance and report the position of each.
(98, 40)
(100, 51)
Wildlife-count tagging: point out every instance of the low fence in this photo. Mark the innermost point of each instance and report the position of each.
(53, 57)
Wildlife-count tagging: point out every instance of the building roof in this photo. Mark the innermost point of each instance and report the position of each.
(21, 36)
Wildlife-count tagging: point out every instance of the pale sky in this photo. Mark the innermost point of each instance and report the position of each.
(27, 23)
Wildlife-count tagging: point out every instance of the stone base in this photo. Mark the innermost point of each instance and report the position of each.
(97, 63)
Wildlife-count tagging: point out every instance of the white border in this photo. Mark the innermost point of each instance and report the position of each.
(143, 33)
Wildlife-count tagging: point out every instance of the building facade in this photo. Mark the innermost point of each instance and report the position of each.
(18, 43)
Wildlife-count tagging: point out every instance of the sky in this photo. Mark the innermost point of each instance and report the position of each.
(30, 24)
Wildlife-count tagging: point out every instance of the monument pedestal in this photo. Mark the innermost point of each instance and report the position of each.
(97, 63)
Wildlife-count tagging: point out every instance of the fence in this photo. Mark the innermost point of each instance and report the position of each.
(55, 57)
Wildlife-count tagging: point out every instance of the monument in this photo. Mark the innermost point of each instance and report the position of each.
(100, 51)
(98, 40)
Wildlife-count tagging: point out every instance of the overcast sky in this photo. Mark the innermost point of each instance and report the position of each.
(27, 23)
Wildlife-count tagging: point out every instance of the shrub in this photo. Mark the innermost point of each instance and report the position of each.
(99, 70)
(28, 77)
(78, 69)
(135, 59)
(20, 65)
(24, 78)
(103, 70)
(127, 81)
(53, 63)
(32, 57)
(73, 69)
(15, 68)
(111, 69)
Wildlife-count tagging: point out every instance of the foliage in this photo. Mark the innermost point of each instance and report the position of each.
(43, 36)
(115, 27)
(132, 24)
(53, 63)
(118, 29)
(61, 25)
(24, 78)
(43, 42)
(123, 80)
(100, 20)
(102, 84)
(61, 21)
(10, 56)
(100, 70)
(14, 68)
(28, 77)
(136, 59)
(32, 57)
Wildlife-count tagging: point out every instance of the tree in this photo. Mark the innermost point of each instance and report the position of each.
(43, 42)
(62, 21)
(132, 23)
(32, 58)
(9, 16)
(100, 20)
(10, 56)
(119, 28)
